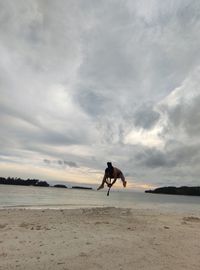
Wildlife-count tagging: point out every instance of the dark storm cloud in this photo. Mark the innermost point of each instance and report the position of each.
(60, 162)
(47, 161)
(26, 133)
(186, 115)
(175, 157)
(93, 103)
(111, 63)
(154, 158)
(70, 163)
(146, 116)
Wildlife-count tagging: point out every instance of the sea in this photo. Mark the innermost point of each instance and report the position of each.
(59, 198)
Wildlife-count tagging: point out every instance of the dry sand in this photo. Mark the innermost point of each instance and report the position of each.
(98, 238)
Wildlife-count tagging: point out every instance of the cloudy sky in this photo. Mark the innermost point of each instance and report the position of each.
(89, 81)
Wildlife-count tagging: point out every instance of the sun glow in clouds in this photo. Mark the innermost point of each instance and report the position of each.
(149, 138)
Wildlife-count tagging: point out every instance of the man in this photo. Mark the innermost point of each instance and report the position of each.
(112, 173)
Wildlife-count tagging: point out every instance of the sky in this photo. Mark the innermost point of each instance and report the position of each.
(89, 81)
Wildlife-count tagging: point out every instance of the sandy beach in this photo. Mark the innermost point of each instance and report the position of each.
(98, 238)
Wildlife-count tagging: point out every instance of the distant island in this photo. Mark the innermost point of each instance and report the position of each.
(191, 191)
(78, 187)
(22, 182)
(60, 186)
(33, 182)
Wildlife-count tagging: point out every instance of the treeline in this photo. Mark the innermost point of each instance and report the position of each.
(78, 187)
(192, 191)
(22, 182)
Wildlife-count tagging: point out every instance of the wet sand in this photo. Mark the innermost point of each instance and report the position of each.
(98, 238)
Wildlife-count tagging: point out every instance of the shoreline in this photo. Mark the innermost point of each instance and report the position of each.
(98, 238)
(140, 207)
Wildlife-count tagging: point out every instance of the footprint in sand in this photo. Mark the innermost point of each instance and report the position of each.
(24, 225)
(3, 254)
(82, 254)
(130, 229)
(192, 219)
(3, 225)
(101, 222)
(166, 227)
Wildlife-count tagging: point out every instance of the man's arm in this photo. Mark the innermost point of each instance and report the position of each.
(103, 182)
(115, 179)
(108, 182)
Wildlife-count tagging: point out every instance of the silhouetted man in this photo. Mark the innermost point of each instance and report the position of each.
(112, 173)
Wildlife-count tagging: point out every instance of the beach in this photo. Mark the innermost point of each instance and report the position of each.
(98, 238)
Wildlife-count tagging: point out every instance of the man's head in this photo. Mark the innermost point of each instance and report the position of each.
(109, 164)
(110, 169)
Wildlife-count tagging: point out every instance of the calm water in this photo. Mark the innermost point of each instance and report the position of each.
(42, 197)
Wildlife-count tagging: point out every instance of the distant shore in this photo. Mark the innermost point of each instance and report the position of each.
(190, 191)
(34, 182)
(98, 238)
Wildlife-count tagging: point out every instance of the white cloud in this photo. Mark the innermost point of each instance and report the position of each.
(147, 138)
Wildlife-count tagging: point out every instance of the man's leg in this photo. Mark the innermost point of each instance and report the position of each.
(123, 180)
